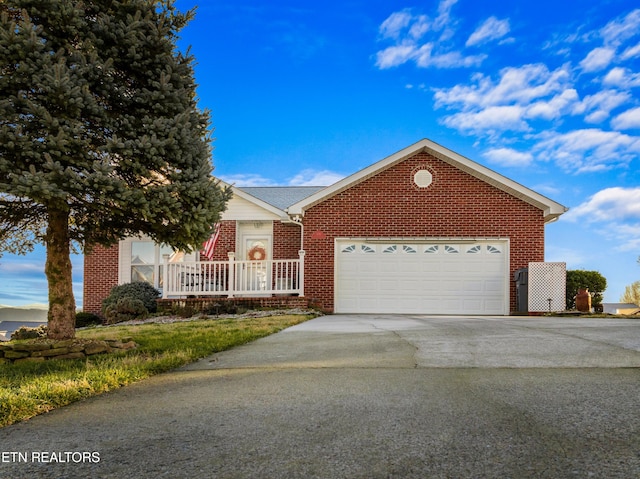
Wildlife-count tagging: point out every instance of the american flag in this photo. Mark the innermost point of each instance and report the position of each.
(210, 244)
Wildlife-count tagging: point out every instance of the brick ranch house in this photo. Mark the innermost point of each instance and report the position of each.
(424, 230)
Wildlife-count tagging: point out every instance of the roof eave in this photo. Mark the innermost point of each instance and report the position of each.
(258, 202)
(552, 210)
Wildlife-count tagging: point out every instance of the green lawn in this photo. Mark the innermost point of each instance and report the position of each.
(29, 389)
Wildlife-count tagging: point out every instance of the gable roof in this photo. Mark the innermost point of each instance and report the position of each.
(281, 196)
(552, 210)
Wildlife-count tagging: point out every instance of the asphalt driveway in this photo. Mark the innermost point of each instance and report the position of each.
(366, 397)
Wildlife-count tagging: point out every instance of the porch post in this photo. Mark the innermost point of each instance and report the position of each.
(167, 279)
(231, 286)
(301, 254)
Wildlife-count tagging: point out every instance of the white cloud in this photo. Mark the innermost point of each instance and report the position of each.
(406, 29)
(425, 59)
(620, 30)
(307, 177)
(598, 107)
(491, 29)
(22, 268)
(443, 20)
(247, 180)
(554, 107)
(420, 26)
(588, 150)
(521, 94)
(598, 59)
(628, 235)
(609, 205)
(394, 56)
(627, 120)
(315, 178)
(489, 120)
(395, 24)
(631, 52)
(516, 85)
(622, 77)
(508, 157)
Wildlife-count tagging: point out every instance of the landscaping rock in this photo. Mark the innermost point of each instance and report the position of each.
(97, 348)
(43, 349)
(16, 354)
(50, 352)
(129, 345)
(77, 355)
(32, 346)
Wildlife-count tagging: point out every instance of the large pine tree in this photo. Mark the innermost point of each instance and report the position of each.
(100, 133)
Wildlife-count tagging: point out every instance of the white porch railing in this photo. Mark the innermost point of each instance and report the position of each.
(233, 278)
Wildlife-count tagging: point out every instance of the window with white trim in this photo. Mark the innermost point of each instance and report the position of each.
(143, 260)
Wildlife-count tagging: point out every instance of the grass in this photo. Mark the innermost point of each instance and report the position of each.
(28, 389)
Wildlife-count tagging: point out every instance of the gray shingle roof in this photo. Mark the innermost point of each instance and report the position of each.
(281, 196)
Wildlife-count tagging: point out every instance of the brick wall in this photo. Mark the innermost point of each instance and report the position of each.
(100, 275)
(226, 242)
(389, 204)
(286, 240)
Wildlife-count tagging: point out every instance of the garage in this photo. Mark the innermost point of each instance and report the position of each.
(422, 276)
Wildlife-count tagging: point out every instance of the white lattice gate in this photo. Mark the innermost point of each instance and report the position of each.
(547, 286)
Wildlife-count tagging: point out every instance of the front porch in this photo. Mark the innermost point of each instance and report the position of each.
(233, 278)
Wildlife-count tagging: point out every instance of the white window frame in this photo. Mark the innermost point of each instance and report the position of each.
(124, 263)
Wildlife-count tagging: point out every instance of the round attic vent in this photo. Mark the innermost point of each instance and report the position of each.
(422, 178)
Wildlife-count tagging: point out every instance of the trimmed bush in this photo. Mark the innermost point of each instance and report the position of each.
(138, 290)
(87, 319)
(126, 309)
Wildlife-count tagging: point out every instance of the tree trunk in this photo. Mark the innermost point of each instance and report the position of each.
(62, 305)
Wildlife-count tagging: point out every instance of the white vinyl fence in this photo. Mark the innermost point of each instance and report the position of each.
(234, 278)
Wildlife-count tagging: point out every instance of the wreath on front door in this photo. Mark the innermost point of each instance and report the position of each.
(257, 253)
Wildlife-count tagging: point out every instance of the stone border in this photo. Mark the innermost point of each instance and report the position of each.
(42, 350)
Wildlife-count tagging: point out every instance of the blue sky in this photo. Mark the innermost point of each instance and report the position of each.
(545, 93)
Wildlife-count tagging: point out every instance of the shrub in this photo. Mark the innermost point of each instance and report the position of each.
(24, 332)
(87, 319)
(126, 309)
(593, 280)
(139, 290)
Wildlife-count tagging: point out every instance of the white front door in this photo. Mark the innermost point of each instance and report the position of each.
(255, 274)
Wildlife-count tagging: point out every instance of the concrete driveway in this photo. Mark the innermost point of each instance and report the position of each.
(366, 397)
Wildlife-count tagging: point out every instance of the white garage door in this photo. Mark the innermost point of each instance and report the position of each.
(430, 278)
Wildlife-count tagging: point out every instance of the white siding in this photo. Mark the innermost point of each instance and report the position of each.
(242, 210)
